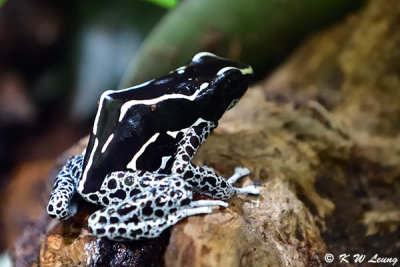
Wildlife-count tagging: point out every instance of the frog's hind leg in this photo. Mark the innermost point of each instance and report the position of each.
(149, 213)
(60, 205)
(204, 179)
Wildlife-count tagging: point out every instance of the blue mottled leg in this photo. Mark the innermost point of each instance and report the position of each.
(204, 179)
(157, 203)
(59, 205)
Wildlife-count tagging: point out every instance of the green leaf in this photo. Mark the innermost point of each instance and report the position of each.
(258, 32)
(2, 2)
(163, 3)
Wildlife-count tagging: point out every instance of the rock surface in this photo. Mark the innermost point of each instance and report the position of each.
(320, 137)
(353, 71)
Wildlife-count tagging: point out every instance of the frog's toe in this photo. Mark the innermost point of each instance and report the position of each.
(208, 203)
(252, 190)
(239, 173)
(193, 211)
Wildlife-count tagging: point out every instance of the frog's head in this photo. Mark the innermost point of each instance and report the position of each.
(224, 82)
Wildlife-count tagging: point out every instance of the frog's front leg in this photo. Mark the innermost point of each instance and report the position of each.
(158, 202)
(204, 179)
(60, 205)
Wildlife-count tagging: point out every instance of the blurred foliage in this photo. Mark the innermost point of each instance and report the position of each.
(259, 32)
(2, 2)
(93, 43)
(107, 37)
(165, 3)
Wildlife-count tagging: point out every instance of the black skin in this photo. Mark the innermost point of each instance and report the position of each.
(142, 121)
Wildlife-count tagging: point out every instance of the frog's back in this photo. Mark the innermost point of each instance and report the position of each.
(145, 138)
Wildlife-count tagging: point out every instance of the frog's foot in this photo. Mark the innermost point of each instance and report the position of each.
(206, 181)
(60, 205)
(239, 173)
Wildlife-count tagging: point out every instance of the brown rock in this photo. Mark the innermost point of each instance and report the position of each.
(252, 232)
(352, 71)
(19, 192)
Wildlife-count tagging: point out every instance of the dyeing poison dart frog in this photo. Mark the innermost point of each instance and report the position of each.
(137, 164)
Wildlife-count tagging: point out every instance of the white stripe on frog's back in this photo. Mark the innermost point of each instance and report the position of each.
(105, 95)
(100, 109)
(126, 106)
(164, 161)
(132, 164)
(109, 139)
(88, 165)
